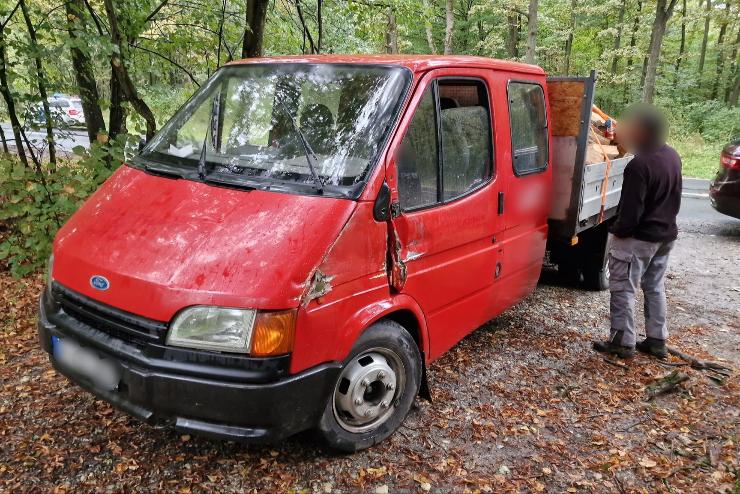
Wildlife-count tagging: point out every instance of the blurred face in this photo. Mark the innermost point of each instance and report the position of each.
(632, 134)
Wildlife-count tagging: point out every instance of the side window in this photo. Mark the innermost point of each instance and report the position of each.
(455, 113)
(528, 127)
(466, 136)
(417, 157)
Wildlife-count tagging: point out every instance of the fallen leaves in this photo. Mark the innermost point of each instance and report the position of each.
(522, 405)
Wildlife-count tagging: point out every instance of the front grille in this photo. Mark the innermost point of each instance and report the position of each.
(115, 322)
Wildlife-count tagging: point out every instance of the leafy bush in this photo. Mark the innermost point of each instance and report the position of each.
(35, 203)
(712, 120)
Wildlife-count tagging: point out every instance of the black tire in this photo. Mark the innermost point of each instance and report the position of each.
(392, 337)
(569, 274)
(596, 273)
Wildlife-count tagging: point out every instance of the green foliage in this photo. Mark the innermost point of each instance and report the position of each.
(36, 203)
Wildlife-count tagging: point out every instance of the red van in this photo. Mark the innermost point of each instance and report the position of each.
(306, 235)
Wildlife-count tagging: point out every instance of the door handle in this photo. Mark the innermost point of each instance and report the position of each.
(498, 270)
(500, 203)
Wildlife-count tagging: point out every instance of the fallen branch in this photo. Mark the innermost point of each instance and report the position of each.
(697, 363)
(616, 363)
(666, 384)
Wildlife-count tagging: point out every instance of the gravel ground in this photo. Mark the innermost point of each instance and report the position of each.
(520, 405)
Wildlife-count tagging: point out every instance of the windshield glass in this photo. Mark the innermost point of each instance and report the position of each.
(243, 117)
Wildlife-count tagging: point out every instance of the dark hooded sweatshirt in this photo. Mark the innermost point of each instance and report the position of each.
(651, 196)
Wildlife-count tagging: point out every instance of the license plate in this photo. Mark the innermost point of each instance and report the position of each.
(101, 371)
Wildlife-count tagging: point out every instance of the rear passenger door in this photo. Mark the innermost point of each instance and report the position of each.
(442, 176)
(527, 195)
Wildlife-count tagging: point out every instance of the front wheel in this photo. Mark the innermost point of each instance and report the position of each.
(375, 390)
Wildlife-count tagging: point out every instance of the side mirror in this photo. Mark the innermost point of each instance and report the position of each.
(381, 208)
(142, 143)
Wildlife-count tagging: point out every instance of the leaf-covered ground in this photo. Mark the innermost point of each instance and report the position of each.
(521, 405)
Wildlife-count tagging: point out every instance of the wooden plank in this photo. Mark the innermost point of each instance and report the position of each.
(566, 100)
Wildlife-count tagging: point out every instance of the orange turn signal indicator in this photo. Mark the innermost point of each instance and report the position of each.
(273, 333)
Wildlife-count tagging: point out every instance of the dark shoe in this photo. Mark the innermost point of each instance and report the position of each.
(613, 346)
(653, 346)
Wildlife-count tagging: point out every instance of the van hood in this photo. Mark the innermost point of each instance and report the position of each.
(164, 244)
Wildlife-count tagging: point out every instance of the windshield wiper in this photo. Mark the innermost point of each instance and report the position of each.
(214, 120)
(307, 150)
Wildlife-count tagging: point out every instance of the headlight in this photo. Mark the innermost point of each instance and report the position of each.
(213, 328)
(261, 334)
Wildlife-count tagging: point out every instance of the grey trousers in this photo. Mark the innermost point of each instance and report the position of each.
(635, 263)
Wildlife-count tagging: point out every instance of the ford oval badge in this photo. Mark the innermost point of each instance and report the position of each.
(99, 282)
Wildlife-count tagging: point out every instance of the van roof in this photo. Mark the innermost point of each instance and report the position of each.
(416, 63)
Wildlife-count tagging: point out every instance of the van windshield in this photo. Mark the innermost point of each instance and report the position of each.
(239, 123)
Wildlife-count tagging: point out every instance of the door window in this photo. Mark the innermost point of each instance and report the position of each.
(466, 136)
(528, 127)
(418, 156)
(454, 113)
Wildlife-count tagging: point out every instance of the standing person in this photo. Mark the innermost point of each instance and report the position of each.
(643, 235)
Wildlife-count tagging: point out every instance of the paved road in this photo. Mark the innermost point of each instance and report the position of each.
(697, 214)
(65, 139)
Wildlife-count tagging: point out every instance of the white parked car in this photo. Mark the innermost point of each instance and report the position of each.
(65, 111)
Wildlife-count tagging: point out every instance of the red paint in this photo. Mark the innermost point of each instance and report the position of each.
(166, 244)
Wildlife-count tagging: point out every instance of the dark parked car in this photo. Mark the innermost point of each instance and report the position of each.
(724, 192)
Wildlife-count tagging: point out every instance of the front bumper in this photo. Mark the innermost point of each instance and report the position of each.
(175, 387)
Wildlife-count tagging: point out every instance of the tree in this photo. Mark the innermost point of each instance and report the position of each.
(705, 38)
(392, 32)
(618, 37)
(532, 31)
(83, 68)
(512, 33)
(720, 65)
(428, 14)
(663, 12)
(569, 40)
(449, 25)
(681, 47)
(5, 89)
(40, 81)
(120, 71)
(254, 29)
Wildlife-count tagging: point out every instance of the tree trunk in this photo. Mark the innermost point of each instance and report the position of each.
(720, 65)
(569, 41)
(254, 31)
(121, 73)
(40, 83)
(733, 72)
(662, 14)
(9, 101)
(532, 32)
(117, 117)
(635, 28)
(512, 37)
(391, 36)
(735, 92)
(618, 39)
(5, 142)
(705, 39)
(306, 31)
(449, 24)
(428, 15)
(681, 46)
(83, 70)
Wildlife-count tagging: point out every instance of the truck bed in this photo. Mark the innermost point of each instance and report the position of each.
(577, 185)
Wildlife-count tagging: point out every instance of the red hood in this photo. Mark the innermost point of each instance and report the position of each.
(164, 244)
